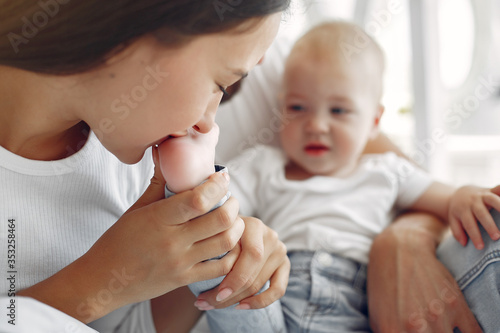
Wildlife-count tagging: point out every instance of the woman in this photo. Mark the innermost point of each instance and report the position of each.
(87, 86)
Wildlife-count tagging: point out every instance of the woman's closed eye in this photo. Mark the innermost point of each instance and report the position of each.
(224, 91)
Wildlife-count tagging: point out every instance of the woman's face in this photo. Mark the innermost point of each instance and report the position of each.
(149, 92)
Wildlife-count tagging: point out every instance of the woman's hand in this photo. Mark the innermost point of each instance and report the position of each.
(263, 257)
(157, 246)
(409, 290)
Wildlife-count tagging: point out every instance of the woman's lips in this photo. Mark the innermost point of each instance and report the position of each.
(316, 149)
(159, 142)
(171, 136)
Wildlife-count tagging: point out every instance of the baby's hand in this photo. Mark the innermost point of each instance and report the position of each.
(187, 160)
(469, 205)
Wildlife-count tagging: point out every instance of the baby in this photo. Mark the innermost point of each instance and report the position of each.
(324, 198)
(187, 160)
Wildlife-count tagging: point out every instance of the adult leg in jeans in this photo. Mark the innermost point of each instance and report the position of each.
(477, 273)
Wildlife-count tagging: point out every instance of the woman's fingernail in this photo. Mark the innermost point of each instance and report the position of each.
(223, 294)
(201, 304)
(226, 176)
(208, 308)
(242, 307)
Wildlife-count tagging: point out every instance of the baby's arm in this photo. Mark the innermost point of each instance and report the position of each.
(435, 200)
(188, 160)
(462, 209)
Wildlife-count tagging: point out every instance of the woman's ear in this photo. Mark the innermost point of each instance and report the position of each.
(378, 114)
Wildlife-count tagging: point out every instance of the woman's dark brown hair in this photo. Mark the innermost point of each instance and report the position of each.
(72, 36)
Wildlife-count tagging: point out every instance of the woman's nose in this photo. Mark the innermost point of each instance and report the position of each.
(205, 124)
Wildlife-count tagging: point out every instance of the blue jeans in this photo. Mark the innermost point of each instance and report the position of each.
(477, 273)
(229, 320)
(326, 293)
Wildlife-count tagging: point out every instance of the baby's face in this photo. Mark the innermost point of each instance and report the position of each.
(330, 114)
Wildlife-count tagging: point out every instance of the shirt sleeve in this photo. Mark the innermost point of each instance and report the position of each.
(27, 315)
(412, 181)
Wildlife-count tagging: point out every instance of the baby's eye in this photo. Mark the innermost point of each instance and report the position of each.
(338, 110)
(296, 107)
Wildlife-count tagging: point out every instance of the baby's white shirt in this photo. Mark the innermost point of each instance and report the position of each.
(338, 215)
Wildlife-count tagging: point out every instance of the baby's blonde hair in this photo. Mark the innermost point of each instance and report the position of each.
(340, 41)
